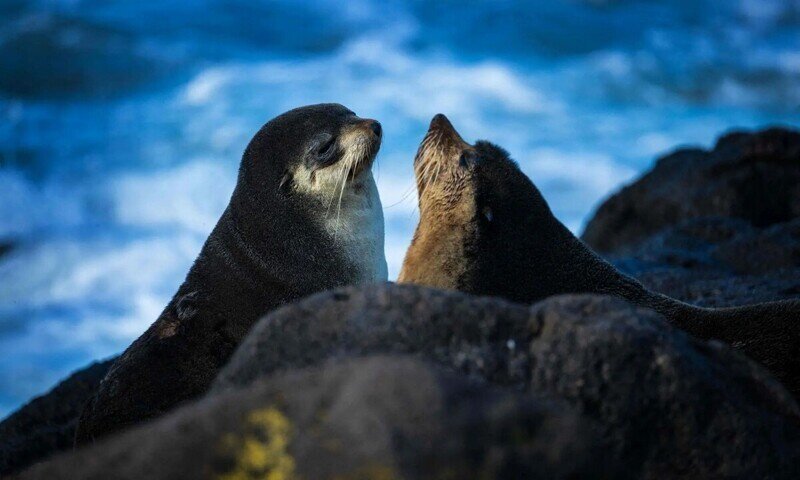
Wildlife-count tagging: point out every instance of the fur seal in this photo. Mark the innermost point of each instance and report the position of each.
(485, 229)
(305, 216)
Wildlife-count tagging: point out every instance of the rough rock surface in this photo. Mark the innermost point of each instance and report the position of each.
(664, 401)
(47, 423)
(718, 262)
(714, 228)
(754, 177)
(380, 417)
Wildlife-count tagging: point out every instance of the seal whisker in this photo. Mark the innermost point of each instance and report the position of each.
(403, 198)
(424, 176)
(333, 196)
(345, 173)
(425, 168)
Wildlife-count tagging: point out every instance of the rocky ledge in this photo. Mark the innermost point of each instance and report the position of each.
(393, 381)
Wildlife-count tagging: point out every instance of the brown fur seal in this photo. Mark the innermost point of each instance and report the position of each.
(305, 216)
(485, 229)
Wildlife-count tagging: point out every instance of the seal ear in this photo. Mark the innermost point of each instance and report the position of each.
(286, 183)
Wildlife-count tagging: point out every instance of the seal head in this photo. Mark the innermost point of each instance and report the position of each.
(474, 204)
(313, 165)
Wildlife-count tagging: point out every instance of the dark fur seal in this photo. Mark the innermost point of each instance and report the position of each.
(305, 216)
(485, 229)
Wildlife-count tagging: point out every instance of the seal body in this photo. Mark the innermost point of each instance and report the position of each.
(486, 229)
(304, 217)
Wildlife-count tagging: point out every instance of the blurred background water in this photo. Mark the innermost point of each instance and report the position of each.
(122, 124)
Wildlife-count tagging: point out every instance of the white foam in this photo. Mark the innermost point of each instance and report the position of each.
(205, 86)
(190, 196)
(26, 207)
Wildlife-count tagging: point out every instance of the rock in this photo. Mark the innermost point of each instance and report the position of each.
(753, 177)
(718, 262)
(47, 423)
(659, 394)
(378, 417)
(668, 406)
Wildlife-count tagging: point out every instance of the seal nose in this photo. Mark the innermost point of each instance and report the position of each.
(440, 122)
(375, 126)
(445, 131)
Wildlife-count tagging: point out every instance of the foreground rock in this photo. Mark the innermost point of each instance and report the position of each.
(47, 423)
(754, 177)
(664, 402)
(625, 391)
(384, 417)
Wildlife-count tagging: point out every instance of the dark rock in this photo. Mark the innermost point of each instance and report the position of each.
(760, 253)
(713, 228)
(665, 400)
(668, 406)
(754, 177)
(47, 423)
(718, 262)
(380, 417)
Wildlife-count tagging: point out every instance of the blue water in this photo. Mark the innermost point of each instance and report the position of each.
(122, 123)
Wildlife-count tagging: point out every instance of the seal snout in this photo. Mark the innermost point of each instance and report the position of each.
(375, 126)
(370, 128)
(441, 123)
(444, 132)
(360, 143)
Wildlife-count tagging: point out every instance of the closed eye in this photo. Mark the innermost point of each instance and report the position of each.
(326, 148)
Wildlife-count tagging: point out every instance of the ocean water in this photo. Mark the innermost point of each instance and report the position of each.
(122, 124)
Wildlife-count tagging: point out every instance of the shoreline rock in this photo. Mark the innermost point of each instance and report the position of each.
(752, 176)
(621, 366)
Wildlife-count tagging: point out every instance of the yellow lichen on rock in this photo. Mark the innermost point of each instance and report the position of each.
(262, 451)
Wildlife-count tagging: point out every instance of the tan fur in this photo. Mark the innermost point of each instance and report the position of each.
(436, 256)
